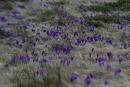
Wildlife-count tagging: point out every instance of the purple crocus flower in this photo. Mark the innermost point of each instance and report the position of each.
(89, 38)
(128, 26)
(106, 82)
(2, 19)
(16, 42)
(126, 46)
(33, 53)
(97, 37)
(81, 20)
(65, 49)
(43, 52)
(17, 17)
(42, 60)
(100, 60)
(110, 54)
(73, 77)
(56, 49)
(53, 33)
(14, 14)
(117, 71)
(91, 28)
(120, 58)
(109, 41)
(128, 65)
(31, 42)
(88, 80)
(33, 30)
(78, 42)
(25, 60)
(63, 60)
(48, 32)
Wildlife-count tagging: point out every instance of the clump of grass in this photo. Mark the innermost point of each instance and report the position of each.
(56, 13)
(123, 5)
(5, 34)
(46, 15)
(63, 1)
(59, 2)
(106, 19)
(95, 23)
(98, 20)
(6, 4)
(2, 31)
(23, 0)
(26, 75)
(110, 19)
(62, 22)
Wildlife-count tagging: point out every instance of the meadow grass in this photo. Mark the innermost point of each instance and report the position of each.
(32, 68)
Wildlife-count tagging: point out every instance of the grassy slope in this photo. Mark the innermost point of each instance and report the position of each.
(81, 54)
